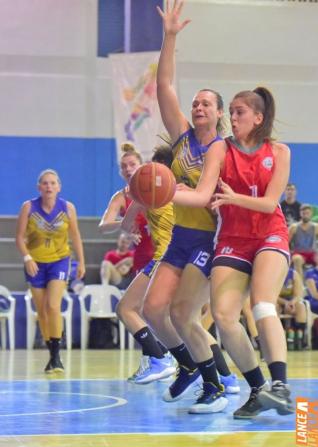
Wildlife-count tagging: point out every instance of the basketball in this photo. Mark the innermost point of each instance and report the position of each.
(153, 185)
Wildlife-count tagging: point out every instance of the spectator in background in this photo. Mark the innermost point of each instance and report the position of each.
(251, 325)
(311, 283)
(303, 239)
(290, 206)
(117, 265)
(290, 302)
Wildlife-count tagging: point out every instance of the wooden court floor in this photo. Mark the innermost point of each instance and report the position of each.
(92, 404)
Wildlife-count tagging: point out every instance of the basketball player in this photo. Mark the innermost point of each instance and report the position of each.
(43, 229)
(252, 245)
(129, 162)
(153, 365)
(129, 309)
(186, 265)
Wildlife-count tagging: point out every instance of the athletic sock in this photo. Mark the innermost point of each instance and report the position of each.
(55, 346)
(220, 362)
(183, 357)
(162, 347)
(254, 378)
(208, 371)
(278, 371)
(148, 343)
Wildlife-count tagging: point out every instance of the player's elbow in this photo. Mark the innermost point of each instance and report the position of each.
(271, 206)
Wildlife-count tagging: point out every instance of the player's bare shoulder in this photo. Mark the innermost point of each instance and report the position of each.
(281, 150)
(217, 151)
(218, 147)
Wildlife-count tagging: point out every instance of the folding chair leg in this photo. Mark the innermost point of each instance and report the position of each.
(11, 333)
(131, 341)
(122, 334)
(3, 325)
(68, 333)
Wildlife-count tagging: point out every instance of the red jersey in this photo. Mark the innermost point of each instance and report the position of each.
(144, 251)
(249, 174)
(114, 256)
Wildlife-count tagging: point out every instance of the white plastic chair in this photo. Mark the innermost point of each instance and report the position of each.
(100, 306)
(32, 317)
(7, 317)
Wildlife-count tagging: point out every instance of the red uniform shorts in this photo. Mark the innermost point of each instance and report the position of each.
(239, 253)
(309, 256)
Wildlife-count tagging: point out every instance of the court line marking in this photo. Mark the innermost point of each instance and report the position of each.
(188, 433)
(48, 380)
(119, 402)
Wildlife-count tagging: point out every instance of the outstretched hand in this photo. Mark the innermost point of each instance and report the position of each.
(226, 197)
(171, 17)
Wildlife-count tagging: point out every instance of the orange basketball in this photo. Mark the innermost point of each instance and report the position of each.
(152, 185)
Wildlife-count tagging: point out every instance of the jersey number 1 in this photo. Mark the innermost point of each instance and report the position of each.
(254, 191)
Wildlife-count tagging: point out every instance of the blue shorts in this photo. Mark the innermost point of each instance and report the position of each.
(150, 268)
(48, 271)
(189, 246)
(313, 304)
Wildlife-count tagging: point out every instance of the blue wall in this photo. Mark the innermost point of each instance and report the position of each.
(304, 171)
(111, 26)
(87, 167)
(89, 172)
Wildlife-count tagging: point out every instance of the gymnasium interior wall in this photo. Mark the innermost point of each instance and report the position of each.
(56, 108)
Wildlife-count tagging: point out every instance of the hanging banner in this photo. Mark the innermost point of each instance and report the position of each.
(136, 111)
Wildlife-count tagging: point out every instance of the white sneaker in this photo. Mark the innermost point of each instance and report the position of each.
(230, 383)
(211, 400)
(144, 363)
(157, 369)
(170, 359)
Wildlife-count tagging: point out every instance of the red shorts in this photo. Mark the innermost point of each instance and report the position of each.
(239, 253)
(309, 256)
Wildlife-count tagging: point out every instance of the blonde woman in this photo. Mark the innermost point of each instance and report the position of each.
(44, 227)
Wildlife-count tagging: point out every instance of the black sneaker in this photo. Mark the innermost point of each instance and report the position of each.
(278, 398)
(57, 365)
(253, 406)
(49, 368)
(211, 400)
(184, 380)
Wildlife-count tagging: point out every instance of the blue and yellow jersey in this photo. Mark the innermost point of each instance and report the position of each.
(47, 234)
(187, 166)
(161, 221)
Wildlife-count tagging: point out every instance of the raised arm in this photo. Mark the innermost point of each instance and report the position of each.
(172, 117)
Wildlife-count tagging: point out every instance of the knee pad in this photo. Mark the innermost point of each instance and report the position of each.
(263, 310)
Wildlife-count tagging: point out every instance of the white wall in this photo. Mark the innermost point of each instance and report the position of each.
(52, 84)
(233, 45)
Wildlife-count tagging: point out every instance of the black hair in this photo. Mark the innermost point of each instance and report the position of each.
(163, 154)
